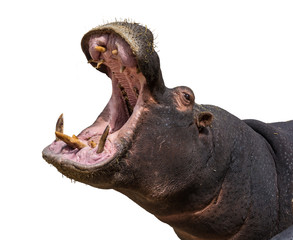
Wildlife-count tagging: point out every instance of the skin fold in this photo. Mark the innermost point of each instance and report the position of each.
(196, 167)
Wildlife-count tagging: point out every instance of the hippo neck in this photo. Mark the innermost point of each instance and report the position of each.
(180, 219)
(242, 185)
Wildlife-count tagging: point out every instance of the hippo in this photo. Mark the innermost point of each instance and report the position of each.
(198, 168)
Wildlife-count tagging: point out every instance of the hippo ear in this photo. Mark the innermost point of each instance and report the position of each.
(204, 119)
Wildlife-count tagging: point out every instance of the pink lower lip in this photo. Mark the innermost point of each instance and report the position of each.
(86, 155)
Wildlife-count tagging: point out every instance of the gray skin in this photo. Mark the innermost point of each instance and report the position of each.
(196, 167)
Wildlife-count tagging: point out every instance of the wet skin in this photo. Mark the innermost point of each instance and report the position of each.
(196, 167)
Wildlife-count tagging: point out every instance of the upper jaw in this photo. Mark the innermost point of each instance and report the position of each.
(141, 42)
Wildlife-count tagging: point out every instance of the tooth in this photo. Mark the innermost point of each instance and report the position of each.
(103, 140)
(59, 125)
(75, 137)
(70, 141)
(93, 144)
(100, 49)
(136, 91)
(126, 99)
(122, 68)
(92, 61)
(115, 52)
(100, 63)
(129, 107)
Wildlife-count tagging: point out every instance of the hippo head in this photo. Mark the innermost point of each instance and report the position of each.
(147, 138)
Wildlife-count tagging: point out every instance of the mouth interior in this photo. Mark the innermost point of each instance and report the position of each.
(101, 142)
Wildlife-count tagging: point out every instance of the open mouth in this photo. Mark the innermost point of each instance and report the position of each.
(109, 136)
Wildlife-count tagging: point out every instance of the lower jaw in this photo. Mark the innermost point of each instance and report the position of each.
(65, 161)
(97, 175)
(116, 145)
(61, 155)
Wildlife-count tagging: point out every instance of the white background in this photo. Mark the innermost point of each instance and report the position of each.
(234, 54)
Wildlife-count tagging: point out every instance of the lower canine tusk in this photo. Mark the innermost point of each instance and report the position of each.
(73, 142)
(103, 140)
(59, 125)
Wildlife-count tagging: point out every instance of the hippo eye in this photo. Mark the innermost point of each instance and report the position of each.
(187, 96)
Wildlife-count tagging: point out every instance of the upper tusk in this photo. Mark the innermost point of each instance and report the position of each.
(100, 49)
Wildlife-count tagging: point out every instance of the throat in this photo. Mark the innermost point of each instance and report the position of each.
(201, 223)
